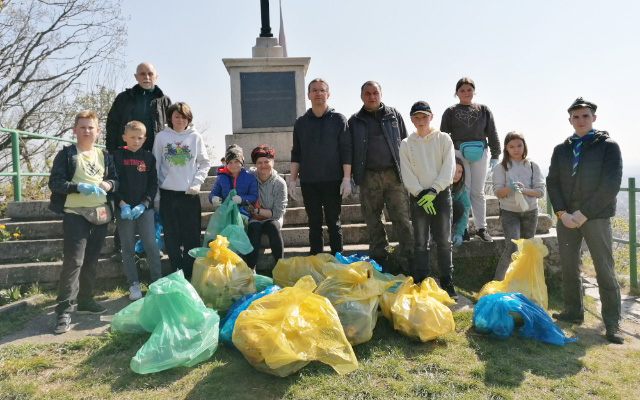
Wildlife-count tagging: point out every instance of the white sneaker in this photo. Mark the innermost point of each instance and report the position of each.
(134, 292)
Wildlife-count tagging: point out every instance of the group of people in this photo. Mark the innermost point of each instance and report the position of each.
(428, 180)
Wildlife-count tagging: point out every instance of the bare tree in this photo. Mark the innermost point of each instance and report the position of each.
(49, 49)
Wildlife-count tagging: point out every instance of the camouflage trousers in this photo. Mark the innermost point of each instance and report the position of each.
(380, 188)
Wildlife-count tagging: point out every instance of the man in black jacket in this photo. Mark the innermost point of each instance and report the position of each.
(145, 102)
(583, 182)
(376, 132)
(321, 155)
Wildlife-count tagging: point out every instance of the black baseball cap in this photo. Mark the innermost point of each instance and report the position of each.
(420, 107)
(582, 103)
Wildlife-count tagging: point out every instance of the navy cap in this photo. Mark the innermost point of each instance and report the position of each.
(420, 107)
(582, 103)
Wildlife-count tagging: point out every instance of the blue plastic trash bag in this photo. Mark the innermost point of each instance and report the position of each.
(184, 331)
(229, 321)
(157, 221)
(358, 257)
(491, 316)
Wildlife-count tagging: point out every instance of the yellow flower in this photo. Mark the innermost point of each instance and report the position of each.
(17, 235)
(2, 227)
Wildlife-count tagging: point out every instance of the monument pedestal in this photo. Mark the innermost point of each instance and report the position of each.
(267, 95)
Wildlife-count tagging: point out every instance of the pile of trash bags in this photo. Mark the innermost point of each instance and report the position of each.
(319, 307)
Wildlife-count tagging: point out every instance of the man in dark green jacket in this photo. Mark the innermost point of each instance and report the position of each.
(583, 182)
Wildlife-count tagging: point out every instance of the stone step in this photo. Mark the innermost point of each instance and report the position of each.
(293, 236)
(47, 273)
(37, 210)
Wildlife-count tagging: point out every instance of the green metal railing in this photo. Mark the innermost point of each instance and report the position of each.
(632, 242)
(15, 158)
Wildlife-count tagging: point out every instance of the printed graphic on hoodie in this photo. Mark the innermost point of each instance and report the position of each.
(177, 154)
(468, 117)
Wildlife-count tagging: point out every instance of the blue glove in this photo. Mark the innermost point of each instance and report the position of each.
(492, 163)
(456, 240)
(137, 211)
(515, 186)
(125, 212)
(425, 200)
(88, 189)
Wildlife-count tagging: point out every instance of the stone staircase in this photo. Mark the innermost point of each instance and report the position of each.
(37, 257)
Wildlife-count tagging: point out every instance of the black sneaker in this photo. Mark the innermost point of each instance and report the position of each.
(90, 308)
(613, 335)
(482, 234)
(62, 324)
(568, 317)
(447, 285)
(465, 236)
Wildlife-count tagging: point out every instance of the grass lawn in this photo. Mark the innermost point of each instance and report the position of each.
(462, 365)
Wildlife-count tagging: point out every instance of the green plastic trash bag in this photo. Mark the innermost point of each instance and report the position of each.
(262, 282)
(226, 221)
(127, 320)
(183, 331)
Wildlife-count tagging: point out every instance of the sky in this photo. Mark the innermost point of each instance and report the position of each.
(529, 60)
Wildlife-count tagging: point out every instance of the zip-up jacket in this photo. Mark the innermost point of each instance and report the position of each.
(137, 176)
(245, 184)
(394, 131)
(61, 178)
(321, 145)
(121, 113)
(594, 187)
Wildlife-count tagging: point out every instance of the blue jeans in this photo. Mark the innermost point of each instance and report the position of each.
(439, 225)
(516, 225)
(127, 232)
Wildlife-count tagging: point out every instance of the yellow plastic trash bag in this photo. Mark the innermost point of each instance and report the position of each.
(525, 274)
(419, 311)
(283, 331)
(355, 294)
(221, 277)
(289, 270)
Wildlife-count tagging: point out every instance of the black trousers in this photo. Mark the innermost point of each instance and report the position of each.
(180, 213)
(255, 232)
(323, 199)
(81, 249)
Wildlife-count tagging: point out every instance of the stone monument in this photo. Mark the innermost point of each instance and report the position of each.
(267, 95)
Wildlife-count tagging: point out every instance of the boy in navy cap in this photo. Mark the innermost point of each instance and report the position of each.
(427, 164)
(583, 182)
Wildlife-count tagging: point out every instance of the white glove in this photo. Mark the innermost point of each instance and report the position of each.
(579, 217)
(345, 188)
(293, 193)
(195, 189)
(216, 201)
(237, 199)
(569, 221)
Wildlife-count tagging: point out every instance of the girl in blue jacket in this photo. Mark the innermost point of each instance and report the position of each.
(234, 176)
(461, 206)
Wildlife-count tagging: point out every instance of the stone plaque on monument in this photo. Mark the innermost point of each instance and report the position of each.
(268, 99)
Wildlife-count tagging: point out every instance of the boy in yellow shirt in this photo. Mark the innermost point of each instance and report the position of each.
(81, 177)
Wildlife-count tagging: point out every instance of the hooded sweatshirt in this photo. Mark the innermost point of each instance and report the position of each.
(272, 195)
(181, 159)
(427, 162)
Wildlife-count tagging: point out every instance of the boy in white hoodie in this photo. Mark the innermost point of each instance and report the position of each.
(427, 164)
(183, 164)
